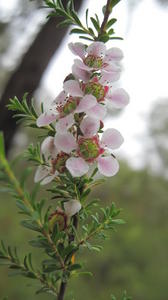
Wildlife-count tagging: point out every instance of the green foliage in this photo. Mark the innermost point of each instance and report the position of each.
(27, 113)
(86, 32)
(58, 245)
(9, 257)
(33, 154)
(24, 112)
(114, 3)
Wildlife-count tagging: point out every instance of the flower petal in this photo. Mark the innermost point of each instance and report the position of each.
(48, 148)
(60, 98)
(72, 207)
(80, 64)
(89, 126)
(86, 103)
(113, 67)
(108, 166)
(113, 54)
(65, 123)
(112, 138)
(45, 119)
(77, 166)
(40, 173)
(78, 49)
(65, 142)
(80, 73)
(96, 49)
(72, 87)
(118, 98)
(97, 112)
(48, 179)
(109, 76)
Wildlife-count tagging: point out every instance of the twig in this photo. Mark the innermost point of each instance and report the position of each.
(13, 180)
(106, 16)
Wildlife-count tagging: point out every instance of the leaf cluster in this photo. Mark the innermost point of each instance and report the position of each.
(23, 111)
(27, 113)
(98, 224)
(89, 32)
(10, 258)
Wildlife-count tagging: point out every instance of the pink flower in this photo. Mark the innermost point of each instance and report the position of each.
(95, 57)
(68, 103)
(92, 93)
(55, 162)
(46, 173)
(117, 97)
(89, 149)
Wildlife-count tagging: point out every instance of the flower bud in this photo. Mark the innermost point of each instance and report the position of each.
(72, 207)
(58, 217)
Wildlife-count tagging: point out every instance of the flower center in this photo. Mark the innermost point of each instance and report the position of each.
(89, 148)
(95, 89)
(93, 62)
(68, 107)
(58, 164)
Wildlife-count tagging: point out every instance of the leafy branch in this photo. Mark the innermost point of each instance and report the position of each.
(99, 224)
(97, 32)
(26, 113)
(9, 257)
(25, 201)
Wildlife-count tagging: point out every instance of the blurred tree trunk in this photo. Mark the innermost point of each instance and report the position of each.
(27, 76)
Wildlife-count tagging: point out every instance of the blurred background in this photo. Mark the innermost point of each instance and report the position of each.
(34, 58)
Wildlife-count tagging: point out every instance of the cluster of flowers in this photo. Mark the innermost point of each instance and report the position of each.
(78, 113)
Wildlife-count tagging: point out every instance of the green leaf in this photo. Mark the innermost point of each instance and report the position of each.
(85, 273)
(39, 243)
(30, 225)
(104, 38)
(74, 267)
(2, 145)
(87, 12)
(111, 31)
(118, 222)
(114, 3)
(116, 38)
(22, 207)
(110, 23)
(80, 31)
(86, 38)
(65, 23)
(95, 24)
(70, 6)
(75, 17)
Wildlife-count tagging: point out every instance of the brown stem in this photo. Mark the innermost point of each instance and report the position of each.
(71, 239)
(106, 16)
(62, 291)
